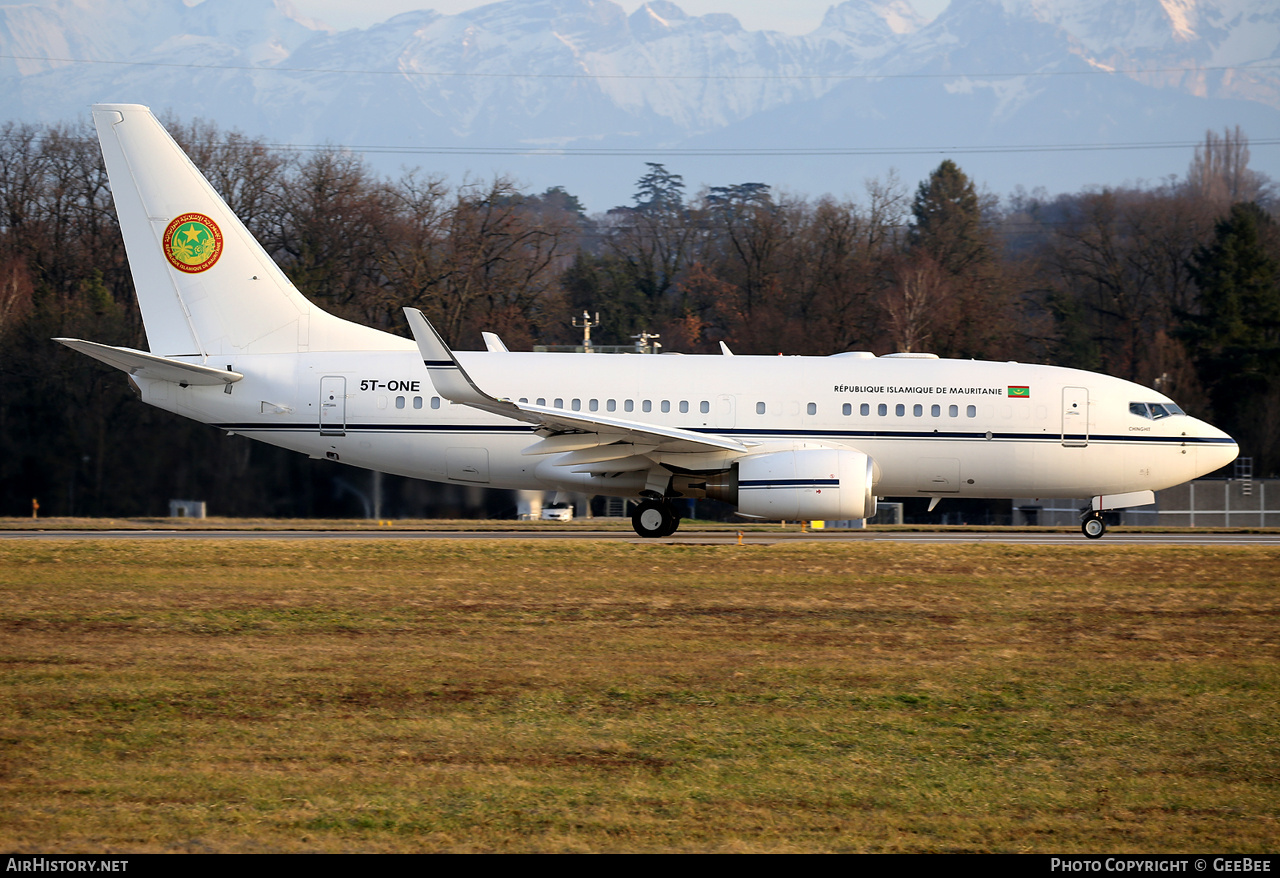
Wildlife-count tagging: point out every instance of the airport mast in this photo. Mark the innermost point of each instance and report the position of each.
(586, 326)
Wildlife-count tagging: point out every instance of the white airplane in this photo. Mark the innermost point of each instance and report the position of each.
(235, 345)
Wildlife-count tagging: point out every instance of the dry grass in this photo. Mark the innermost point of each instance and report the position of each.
(479, 525)
(566, 696)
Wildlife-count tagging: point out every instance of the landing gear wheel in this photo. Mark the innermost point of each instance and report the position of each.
(1093, 526)
(653, 518)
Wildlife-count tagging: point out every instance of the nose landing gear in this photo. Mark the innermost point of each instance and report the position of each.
(1093, 526)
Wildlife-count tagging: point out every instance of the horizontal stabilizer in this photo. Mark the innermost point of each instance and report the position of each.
(145, 365)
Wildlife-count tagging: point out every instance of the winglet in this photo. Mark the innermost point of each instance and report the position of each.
(724, 349)
(450, 379)
(493, 343)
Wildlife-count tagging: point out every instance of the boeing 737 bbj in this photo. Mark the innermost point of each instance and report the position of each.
(234, 344)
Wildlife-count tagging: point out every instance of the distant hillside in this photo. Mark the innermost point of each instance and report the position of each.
(988, 83)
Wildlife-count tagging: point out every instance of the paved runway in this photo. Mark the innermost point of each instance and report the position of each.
(1172, 538)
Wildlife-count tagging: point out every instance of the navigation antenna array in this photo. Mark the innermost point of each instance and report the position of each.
(646, 343)
(586, 326)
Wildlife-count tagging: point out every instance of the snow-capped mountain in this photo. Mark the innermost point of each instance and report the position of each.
(569, 75)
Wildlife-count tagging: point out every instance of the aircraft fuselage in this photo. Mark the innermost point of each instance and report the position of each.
(933, 427)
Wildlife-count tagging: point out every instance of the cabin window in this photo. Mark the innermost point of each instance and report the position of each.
(417, 402)
(846, 409)
(704, 407)
(684, 406)
(399, 402)
(594, 405)
(971, 411)
(864, 409)
(559, 402)
(759, 408)
(882, 409)
(611, 405)
(917, 410)
(666, 405)
(629, 406)
(936, 411)
(953, 411)
(576, 405)
(811, 408)
(542, 400)
(435, 402)
(524, 399)
(900, 410)
(647, 405)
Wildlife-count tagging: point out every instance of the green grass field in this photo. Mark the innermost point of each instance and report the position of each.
(570, 696)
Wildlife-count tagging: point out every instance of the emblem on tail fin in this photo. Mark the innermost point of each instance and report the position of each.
(192, 243)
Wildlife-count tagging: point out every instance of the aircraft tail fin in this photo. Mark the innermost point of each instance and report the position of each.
(205, 286)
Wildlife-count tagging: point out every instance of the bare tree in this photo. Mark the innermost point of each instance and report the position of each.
(1220, 173)
(918, 296)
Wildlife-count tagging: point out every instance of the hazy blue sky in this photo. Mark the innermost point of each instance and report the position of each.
(791, 16)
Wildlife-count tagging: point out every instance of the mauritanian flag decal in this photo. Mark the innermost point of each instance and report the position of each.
(1023, 392)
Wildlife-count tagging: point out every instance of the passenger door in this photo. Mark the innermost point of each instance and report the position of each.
(333, 406)
(1075, 416)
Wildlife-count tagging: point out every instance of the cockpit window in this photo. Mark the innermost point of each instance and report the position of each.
(1154, 411)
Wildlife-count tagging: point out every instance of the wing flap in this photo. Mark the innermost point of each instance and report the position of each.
(562, 442)
(608, 453)
(671, 439)
(634, 464)
(145, 365)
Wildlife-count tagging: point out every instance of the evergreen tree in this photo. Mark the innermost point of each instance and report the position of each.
(1236, 337)
(948, 219)
(952, 269)
(660, 191)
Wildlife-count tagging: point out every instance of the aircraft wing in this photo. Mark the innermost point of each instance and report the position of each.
(616, 438)
(146, 365)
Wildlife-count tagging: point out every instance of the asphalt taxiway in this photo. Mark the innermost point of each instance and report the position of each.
(719, 537)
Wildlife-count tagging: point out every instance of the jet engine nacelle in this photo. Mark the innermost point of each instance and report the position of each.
(810, 483)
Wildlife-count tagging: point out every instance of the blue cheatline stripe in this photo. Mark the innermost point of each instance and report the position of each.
(788, 483)
(440, 364)
(939, 435)
(1048, 438)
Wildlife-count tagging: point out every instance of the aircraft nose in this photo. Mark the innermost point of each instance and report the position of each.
(1218, 452)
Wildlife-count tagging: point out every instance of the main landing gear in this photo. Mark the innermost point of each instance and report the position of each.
(1093, 526)
(655, 518)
